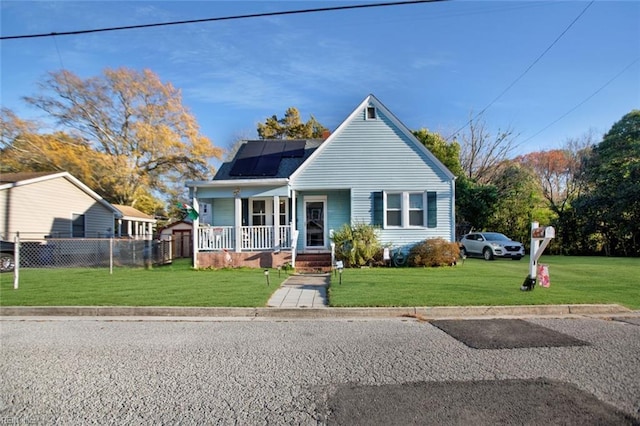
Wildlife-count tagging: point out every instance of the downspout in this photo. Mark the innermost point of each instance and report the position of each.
(294, 232)
(238, 221)
(453, 209)
(276, 223)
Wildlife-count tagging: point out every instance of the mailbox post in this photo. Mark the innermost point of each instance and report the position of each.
(541, 236)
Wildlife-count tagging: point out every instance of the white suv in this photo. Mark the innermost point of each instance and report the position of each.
(490, 245)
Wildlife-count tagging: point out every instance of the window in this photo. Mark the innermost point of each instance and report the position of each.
(405, 209)
(284, 207)
(371, 113)
(416, 209)
(77, 226)
(258, 212)
(394, 210)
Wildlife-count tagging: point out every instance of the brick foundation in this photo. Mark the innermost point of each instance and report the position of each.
(252, 259)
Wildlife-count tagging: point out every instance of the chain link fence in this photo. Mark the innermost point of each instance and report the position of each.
(91, 253)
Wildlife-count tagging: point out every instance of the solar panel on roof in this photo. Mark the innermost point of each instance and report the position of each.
(263, 157)
(243, 166)
(267, 165)
(273, 147)
(251, 149)
(293, 149)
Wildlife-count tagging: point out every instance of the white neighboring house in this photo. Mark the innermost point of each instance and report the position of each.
(57, 205)
(53, 205)
(134, 224)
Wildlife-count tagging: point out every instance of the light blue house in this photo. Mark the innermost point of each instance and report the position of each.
(279, 200)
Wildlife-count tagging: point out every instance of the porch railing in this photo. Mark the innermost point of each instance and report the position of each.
(214, 238)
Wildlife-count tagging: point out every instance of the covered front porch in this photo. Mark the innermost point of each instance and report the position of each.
(244, 238)
(262, 223)
(244, 223)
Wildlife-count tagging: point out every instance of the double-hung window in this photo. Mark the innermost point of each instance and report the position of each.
(393, 212)
(259, 212)
(409, 209)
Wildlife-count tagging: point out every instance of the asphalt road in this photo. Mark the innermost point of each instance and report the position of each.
(259, 372)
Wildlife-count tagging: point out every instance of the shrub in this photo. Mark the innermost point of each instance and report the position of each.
(356, 245)
(434, 252)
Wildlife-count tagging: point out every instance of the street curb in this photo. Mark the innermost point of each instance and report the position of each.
(425, 313)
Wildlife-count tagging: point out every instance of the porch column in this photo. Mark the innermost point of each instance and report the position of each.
(276, 223)
(196, 228)
(238, 222)
(129, 234)
(294, 242)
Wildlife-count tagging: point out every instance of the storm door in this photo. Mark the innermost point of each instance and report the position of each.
(315, 209)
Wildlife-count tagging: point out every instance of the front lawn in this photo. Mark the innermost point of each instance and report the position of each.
(172, 285)
(574, 280)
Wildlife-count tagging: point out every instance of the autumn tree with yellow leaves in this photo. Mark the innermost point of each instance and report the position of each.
(128, 127)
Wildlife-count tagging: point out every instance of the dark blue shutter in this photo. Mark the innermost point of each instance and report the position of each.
(432, 210)
(245, 212)
(377, 208)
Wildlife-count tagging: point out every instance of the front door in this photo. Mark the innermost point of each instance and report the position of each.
(315, 212)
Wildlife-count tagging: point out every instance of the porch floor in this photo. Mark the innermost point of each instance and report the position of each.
(302, 291)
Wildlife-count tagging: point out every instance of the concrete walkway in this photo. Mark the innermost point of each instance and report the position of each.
(302, 291)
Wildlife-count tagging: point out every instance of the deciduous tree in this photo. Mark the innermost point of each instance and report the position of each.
(25, 148)
(148, 138)
(482, 153)
(447, 152)
(611, 207)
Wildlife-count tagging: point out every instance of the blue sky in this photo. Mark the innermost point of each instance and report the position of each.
(432, 64)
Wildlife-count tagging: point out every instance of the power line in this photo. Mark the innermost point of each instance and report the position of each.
(523, 73)
(584, 101)
(223, 18)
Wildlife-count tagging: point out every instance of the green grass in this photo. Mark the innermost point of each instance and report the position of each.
(174, 285)
(574, 280)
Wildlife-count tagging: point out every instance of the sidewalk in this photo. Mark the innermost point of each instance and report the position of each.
(302, 291)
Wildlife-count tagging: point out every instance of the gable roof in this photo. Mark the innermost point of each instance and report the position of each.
(12, 180)
(131, 213)
(371, 100)
(267, 158)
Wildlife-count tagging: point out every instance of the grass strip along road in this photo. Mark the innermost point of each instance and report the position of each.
(574, 280)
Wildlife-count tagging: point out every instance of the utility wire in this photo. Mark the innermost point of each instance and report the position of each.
(584, 101)
(223, 18)
(523, 73)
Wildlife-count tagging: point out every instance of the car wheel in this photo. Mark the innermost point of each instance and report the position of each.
(463, 252)
(487, 253)
(6, 262)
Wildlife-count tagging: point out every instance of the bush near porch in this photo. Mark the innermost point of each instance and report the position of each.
(434, 252)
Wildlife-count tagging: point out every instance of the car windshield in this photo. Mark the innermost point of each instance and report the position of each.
(495, 236)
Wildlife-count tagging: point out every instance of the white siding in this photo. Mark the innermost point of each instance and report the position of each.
(46, 208)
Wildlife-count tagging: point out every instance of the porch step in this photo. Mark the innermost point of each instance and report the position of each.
(313, 263)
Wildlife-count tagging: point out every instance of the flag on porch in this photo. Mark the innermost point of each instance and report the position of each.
(191, 212)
